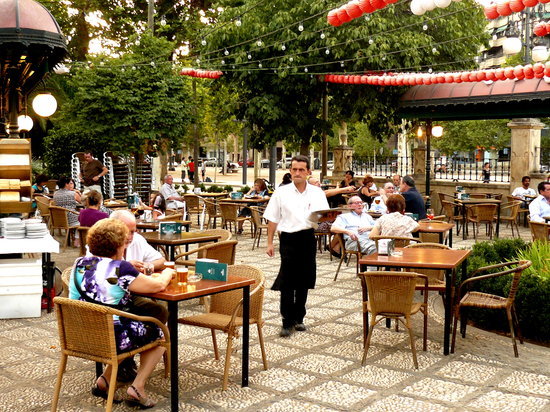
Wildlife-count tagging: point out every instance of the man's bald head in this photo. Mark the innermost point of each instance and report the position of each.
(128, 218)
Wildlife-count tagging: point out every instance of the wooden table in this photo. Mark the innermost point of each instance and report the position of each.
(245, 201)
(418, 258)
(154, 225)
(174, 294)
(440, 227)
(115, 205)
(472, 202)
(213, 195)
(171, 241)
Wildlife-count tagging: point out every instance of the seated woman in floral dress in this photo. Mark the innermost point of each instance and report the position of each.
(394, 223)
(106, 279)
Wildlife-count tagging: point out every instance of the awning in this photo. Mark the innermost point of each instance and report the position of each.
(477, 100)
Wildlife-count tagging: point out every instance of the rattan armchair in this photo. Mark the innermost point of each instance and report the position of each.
(231, 218)
(193, 205)
(43, 206)
(436, 277)
(213, 212)
(444, 197)
(258, 225)
(83, 236)
(86, 331)
(449, 211)
(347, 253)
(389, 295)
(223, 252)
(509, 213)
(540, 231)
(59, 221)
(400, 241)
(225, 314)
(469, 299)
(482, 213)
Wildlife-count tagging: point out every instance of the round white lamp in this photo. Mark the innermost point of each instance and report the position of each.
(511, 45)
(437, 131)
(540, 53)
(44, 104)
(416, 8)
(25, 123)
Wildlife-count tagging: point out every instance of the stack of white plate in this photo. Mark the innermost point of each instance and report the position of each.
(35, 229)
(13, 228)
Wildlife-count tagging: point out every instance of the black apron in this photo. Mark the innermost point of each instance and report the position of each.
(298, 265)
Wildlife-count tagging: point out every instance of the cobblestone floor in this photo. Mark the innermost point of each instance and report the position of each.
(317, 370)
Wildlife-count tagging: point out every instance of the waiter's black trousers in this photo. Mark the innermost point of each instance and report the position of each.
(293, 306)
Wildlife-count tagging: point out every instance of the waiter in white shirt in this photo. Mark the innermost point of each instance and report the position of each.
(290, 212)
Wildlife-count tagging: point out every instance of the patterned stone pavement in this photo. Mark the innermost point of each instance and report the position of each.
(317, 370)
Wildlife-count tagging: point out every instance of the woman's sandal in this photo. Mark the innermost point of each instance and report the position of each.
(141, 401)
(104, 393)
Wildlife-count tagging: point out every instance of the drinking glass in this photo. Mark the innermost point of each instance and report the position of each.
(430, 214)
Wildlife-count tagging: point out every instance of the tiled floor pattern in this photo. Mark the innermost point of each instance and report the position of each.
(316, 370)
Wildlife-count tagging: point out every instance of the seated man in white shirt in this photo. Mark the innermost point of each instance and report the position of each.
(520, 192)
(540, 207)
(172, 197)
(379, 203)
(355, 225)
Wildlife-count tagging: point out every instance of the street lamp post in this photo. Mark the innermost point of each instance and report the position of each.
(435, 131)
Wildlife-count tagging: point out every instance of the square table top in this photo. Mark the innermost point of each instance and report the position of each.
(478, 201)
(202, 288)
(435, 227)
(246, 200)
(155, 238)
(419, 258)
(154, 225)
(213, 194)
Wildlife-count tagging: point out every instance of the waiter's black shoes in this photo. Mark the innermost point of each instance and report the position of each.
(300, 327)
(285, 332)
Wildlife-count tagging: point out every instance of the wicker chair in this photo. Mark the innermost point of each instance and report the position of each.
(173, 216)
(59, 221)
(231, 218)
(433, 237)
(86, 331)
(225, 314)
(482, 213)
(223, 252)
(347, 253)
(65, 276)
(43, 206)
(540, 231)
(258, 225)
(390, 296)
(436, 278)
(444, 197)
(449, 211)
(213, 212)
(523, 212)
(489, 301)
(193, 205)
(83, 236)
(509, 213)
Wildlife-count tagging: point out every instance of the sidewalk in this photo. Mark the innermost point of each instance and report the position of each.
(317, 370)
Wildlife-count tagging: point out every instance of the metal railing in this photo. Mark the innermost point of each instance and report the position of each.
(453, 168)
(383, 166)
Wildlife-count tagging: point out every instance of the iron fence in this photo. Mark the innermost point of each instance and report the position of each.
(451, 168)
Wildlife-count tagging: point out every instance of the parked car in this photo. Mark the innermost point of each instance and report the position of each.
(287, 163)
(330, 164)
(264, 163)
(212, 162)
(249, 163)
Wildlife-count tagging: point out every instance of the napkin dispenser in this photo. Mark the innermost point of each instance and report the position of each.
(386, 246)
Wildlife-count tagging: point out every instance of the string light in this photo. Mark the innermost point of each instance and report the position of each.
(283, 47)
(203, 42)
(424, 27)
(322, 35)
(226, 52)
(327, 51)
(306, 70)
(371, 41)
(249, 56)
(301, 27)
(259, 43)
(238, 22)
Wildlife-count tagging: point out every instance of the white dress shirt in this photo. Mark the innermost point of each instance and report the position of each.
(291, 210)
(167, 191)
(539, 208)
(521, 192)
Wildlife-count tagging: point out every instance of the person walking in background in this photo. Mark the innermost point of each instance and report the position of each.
(486, 172)
(92, 172)
(290, 212)
(191, 169)
(203, 170)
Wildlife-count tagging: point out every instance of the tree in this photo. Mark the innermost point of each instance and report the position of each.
(137, 103)
(272, 62)
(467, 135)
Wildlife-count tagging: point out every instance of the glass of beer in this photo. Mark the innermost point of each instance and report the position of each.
(182, 273)
(377, 200)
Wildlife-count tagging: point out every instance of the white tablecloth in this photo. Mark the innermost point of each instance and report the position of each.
(46, 244)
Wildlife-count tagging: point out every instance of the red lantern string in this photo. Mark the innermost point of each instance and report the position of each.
(537, 70)
(355, 9)
(506, 8)
(201, 74)
(542, 29)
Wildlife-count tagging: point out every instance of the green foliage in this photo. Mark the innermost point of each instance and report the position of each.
(215, 189)
(185, 188)
(539, 255)
(363, 143)
(202, 187)
(245, 189)
(467, 135)
(283, 102)
(228, 188)
(121, 105)
(533, 296)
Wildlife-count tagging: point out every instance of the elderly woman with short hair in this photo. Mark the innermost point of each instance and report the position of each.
(106, 279)
(394, 223)
(92, 213)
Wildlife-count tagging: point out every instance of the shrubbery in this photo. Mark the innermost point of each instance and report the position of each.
(533, 297)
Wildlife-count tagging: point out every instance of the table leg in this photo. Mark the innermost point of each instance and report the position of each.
(173, 328)
(171, 252)
(48, 271)
(465, 224)
(451, 238)
(448, 300)
(498, 220)
(246, 334)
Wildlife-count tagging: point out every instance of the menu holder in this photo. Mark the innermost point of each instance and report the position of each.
(211, 269)
(170, 228)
